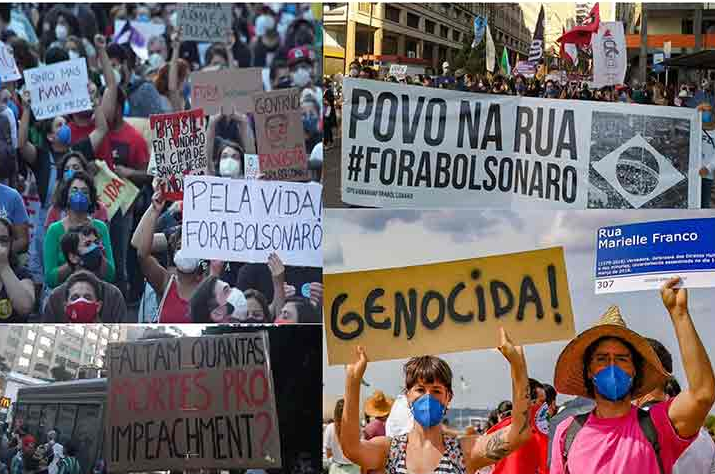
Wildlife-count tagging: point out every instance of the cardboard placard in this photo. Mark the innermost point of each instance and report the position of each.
(179, 146)
(191, 403)
(112, 191)
(448, 307)
(8, 68)
(209, 22)
(230, 88)
(244, 220)
(280, 136)
(398, 70)
(58, 89)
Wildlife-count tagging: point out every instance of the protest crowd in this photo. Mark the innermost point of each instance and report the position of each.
(89, 230)
(626, 411)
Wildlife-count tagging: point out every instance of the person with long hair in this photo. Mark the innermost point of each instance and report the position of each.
(426, 448)
(339, 464)
(17, 293)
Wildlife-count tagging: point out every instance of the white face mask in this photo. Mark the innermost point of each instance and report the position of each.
(237, 299)
(61, 32)
(230, 168)
(301, 77)
(185, 264)
(73, 54)
(264, 23)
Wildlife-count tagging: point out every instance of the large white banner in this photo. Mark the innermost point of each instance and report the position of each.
(239, 220)
(58, 89)
(610, 56)
(417, 147)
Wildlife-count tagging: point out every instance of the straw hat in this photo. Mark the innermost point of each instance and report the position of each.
(568, 377)
(378, 405)
(705, 107)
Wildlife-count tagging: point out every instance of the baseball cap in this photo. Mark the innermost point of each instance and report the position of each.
(300, 54)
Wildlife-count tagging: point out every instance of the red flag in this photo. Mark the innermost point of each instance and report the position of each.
(581, 35)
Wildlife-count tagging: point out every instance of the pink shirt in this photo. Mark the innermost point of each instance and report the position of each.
(618, 445)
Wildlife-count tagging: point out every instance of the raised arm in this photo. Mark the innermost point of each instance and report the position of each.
(211, 139)
(689, 409)
(493, 447)
(367, 454)
(101, 127)
(278, 274)
(109, 98)
(27, 149)
(142, 240)
(175, 97)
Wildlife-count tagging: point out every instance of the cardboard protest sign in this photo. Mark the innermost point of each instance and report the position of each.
(398, 70)
(448, 307)
(416, 147)
(112, 191)
(8, 67)
(252, 166)
(239, 220)
(279, 135)
(179, 146)
(58, 89)
(230, 88)
(643, 256)
(191, 403)
(209, 22)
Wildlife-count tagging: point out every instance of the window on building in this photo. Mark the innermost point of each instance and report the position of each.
(41, 354)
(13, 342)
(75, 353)
(115, 336)
(413, 21)
(24, 362)
(31, 335)
(392, 13)
(27, 349)
(45, 341)
(364, 7)
(456, 35)
(429, 27)
(389, 46)
(444, 31)
(48, 329)
(92, 336)
(105, 330)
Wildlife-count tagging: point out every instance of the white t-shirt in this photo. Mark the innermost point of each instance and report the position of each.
(698, 458)
(330, 441)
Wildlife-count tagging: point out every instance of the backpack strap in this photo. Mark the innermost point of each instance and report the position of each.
(571, 432)
(651, 434)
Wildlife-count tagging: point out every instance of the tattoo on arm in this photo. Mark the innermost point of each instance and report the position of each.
(497, 447)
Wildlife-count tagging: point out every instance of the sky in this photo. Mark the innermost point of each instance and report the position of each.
(371, 239)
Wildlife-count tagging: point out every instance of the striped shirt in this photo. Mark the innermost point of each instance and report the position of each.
(452, 461)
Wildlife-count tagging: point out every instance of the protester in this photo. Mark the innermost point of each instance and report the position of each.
(615, 366)
(339, 464)
(69, 464)
(17, 293)
(297, 309)
(214, 301)
(377, 407)
(428, 385)
(55, 452)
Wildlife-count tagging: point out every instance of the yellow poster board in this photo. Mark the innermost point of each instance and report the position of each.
(448, 307)
(114, 192)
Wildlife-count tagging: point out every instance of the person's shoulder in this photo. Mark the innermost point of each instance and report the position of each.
(11, 192)
(99, 225)
(56, 228)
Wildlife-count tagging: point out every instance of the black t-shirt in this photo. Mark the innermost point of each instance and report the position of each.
(43, 165)
(7, 313)
(257, 276)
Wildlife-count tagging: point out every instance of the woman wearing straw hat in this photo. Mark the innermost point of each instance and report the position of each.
(426, 448)
(614, 366)
(377, 407)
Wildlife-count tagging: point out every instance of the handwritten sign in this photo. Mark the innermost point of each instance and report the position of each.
(112, 191)
(179, 146)
(8, 67)
(137, 34)
(279, 134)
(230, 88)
(191, 403)
(398, 70)
(645, 255)
(205, 21)
(252, 166)
(448, 307)
(58, 89)
(239, 220)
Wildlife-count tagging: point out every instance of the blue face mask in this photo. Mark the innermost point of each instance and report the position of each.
(79, 202)
(310, 123)
(126, 109)
(143, 18)
(707, 116)
(64, 135)
(68, 174)
(613, 383)
(186, 90)
(427, 411)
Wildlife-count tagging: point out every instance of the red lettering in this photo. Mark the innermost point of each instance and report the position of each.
(258, 380)
(208, 400)
(234, 381)
(185, 391)
(156, 395)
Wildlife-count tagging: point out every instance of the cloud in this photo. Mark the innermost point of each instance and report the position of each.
(377, 220)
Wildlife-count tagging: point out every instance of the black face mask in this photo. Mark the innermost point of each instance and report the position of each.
(92, 260)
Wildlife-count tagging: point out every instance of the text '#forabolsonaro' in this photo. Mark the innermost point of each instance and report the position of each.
(487, 160)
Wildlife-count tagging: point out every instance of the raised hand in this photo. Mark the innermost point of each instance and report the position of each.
(356, 370)
(674, 298)
(510, 352)
(275, 264)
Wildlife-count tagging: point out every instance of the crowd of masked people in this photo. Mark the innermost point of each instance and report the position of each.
(623, 411)
(22, 453)
(62, 259)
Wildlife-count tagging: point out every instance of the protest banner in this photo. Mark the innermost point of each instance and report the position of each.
(8, 67)
(244, 220)
(279, 135)
(179, 146)
(191, 403)
(398, 70)
(643, 256)
(416, 147)
(230, 88)
(448, 307)
(252, 166)
(207, 22)
(58, 89)
(112, 191)
(610, 55)
(525, 68)
(137, 34)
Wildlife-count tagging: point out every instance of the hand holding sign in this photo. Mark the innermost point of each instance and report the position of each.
(316, 294)
(355, 371)
(674, 297)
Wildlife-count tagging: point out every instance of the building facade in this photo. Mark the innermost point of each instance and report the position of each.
(425, 34)
(35, 350)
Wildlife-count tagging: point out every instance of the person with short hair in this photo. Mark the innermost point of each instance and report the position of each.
(17, 292)
(63, 307)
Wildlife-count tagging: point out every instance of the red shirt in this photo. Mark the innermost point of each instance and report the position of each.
(173, 308)
(125, 146)
(531, 457)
